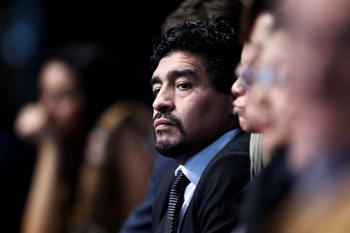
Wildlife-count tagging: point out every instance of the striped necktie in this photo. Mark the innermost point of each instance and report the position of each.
(175, 202)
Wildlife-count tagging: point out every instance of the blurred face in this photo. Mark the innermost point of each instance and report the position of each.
(246, 103)
(270, 86)
(61, 97)
(319, 89)
(240, 91)
(189, 113)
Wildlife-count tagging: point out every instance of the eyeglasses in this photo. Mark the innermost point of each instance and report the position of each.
(264, 76)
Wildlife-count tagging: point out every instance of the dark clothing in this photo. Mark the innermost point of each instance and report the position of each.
(263, 194)
(213, 207)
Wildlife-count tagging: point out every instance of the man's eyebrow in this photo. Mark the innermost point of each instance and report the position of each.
(189, 73)
(154, 80)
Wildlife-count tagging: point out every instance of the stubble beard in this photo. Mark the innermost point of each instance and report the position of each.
(171, 149)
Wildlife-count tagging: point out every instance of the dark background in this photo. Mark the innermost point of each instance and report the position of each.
(27, 30)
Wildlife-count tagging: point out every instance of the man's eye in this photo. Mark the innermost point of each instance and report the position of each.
(184, 86)
(156, 91)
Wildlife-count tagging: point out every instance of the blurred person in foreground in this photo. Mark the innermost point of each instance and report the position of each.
(264, 71)
(319, 95)
(193, 124)
(189, 10)
(74, 87)
(256, 27)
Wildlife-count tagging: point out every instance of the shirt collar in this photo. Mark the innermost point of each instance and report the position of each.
(194, 166)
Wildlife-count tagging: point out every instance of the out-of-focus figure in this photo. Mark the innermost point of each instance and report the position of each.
(74, 87)
(262, 85)
(256, 29)
(318, 94)
(117, 164)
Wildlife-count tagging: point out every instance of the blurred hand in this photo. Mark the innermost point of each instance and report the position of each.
(31, 122)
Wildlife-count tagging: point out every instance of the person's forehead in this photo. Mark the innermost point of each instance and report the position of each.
(277, 48)
(57, 74)
(247, 54)
(177, 61)
(262, 27)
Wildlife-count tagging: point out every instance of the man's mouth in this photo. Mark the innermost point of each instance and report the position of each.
(162, 123)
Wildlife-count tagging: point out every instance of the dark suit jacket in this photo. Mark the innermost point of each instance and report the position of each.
(213, 207)
(264, 194)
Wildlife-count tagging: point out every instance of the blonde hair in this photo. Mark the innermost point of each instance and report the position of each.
(259, 158)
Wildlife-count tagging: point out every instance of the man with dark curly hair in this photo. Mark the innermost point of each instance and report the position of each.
(193, 70)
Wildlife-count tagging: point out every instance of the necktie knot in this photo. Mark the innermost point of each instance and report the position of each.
(175, 201)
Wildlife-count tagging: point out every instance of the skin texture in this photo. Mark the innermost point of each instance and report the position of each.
(189, 113)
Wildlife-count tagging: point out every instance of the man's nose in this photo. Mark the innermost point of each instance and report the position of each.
(164, 101)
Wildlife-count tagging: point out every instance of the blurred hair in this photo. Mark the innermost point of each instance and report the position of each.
(194, 10)
(259, 158)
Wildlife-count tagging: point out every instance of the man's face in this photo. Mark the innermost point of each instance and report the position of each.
(319, 90)
(189, 113)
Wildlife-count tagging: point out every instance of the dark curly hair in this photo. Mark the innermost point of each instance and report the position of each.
(213, 40)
